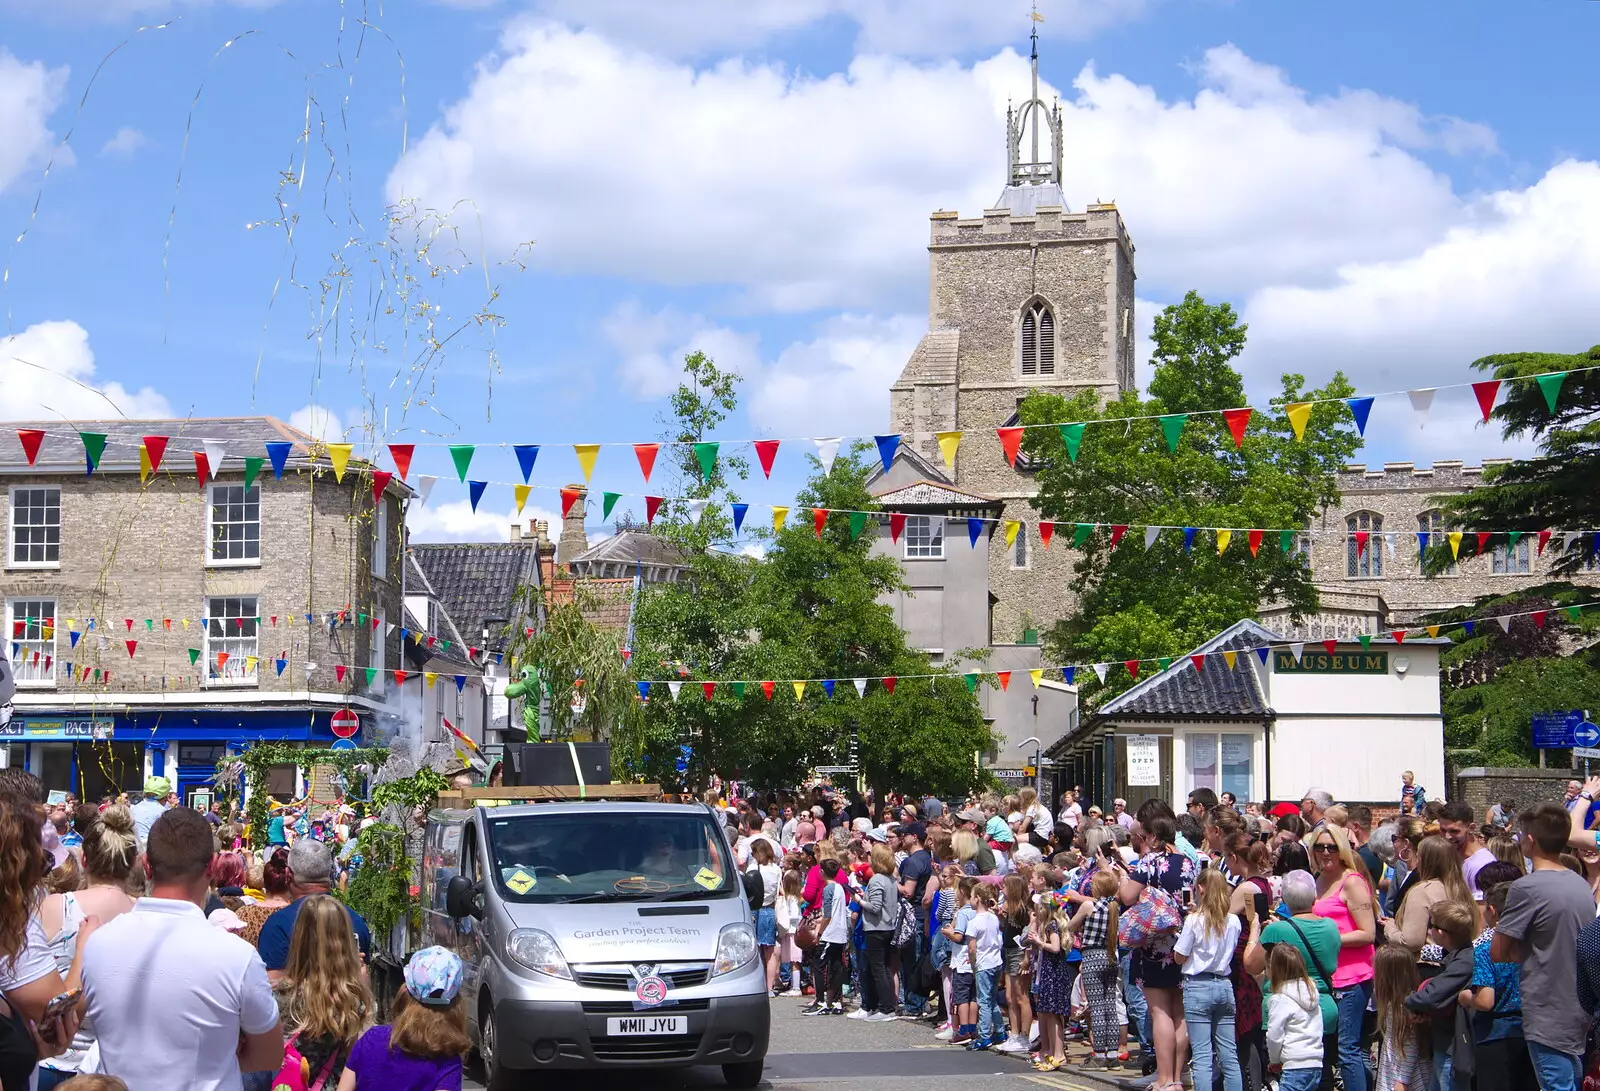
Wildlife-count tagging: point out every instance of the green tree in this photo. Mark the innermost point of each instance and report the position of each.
(701, 403)
(576, 666)
(1163, 601)
(1556, 489)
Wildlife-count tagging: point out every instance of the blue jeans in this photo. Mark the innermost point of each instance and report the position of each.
(1352, 1003)
(1556, 1071)
(1208, 1011)
(909, 954)
(1138, 1010)
(989, 1013)
(1300, 1079)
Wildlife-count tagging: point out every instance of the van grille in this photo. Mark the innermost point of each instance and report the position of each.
(686, 978)
(678, 1048)
(625, 1007)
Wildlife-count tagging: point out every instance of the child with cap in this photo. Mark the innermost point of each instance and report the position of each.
(421, 1049)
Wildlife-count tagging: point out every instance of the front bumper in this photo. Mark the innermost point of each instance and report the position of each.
(542, 1034)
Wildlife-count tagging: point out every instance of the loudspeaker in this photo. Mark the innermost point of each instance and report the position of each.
(539, 764)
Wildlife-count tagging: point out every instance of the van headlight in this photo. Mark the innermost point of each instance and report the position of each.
(537, 951)
(736, 945)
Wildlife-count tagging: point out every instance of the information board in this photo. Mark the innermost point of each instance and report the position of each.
(1144, 761)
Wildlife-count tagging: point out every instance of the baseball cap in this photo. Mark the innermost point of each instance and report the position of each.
(158, 787)
(915, 829)
(970, 816)
(433, 977)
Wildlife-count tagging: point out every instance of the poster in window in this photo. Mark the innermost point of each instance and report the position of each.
(1202, 760)
(1144, 761)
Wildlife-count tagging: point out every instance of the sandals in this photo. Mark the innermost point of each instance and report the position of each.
(1048, 1064)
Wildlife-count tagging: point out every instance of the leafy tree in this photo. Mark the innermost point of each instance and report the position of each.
(701, 403)
(576, 665)
(1557, 488)
(1161, 601)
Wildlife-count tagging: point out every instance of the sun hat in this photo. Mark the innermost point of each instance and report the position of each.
(433, 977)
(878, 836)
(158, 787)
(970, 815)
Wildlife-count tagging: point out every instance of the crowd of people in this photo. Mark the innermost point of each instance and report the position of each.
(1243, 945)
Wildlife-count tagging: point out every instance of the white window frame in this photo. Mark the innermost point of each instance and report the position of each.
(1515, 562)
(932, 548)
(1185, 768)
(213, 561)
(221, 635)
(26, 675)
(380, 539)
(1432, 521)
(1020, 550)
(1364, 564)
(11, 538)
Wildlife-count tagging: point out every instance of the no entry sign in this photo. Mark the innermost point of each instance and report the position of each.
(345, 723)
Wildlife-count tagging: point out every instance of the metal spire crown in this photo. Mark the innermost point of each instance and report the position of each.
(1036, 170)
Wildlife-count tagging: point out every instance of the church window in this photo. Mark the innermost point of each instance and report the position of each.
(1038, 340)
(1431, 523)
(1019, 554)
(1364, 561)
(1511, 562)
(924, 536)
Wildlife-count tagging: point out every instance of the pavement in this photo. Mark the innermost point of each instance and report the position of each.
(837, 1054)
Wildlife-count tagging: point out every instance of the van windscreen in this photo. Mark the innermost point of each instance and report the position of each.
(610, 856)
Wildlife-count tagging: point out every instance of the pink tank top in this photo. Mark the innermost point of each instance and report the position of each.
(1355, 963)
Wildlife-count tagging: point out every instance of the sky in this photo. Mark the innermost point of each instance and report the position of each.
(497, 222)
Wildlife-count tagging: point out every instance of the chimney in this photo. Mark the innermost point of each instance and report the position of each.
(533, 529)
(516, 532)
(573, 539)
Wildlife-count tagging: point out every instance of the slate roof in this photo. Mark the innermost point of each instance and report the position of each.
(631, 547)
(610, 601)
(478, 580)
(933, 360)
(1215, 691)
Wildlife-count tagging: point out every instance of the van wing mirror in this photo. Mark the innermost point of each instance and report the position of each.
(461, 898)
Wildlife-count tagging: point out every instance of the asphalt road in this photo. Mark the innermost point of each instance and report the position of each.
(838, 1054)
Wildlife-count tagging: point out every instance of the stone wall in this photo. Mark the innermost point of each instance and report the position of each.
(1481, 787)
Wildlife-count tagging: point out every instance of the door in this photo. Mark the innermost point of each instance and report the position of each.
(196, 766)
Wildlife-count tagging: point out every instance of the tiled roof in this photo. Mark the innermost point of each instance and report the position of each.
(241, 436)
(609, 601)
(1183, 690)
(934, 358)
(474, 581)
(630, 547)
(930, 494)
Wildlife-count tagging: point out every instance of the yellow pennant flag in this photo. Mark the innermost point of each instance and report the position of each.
(1433, 631)
(144, 465)
(587, 453)
(1224, 536)
(72, 626)
(949, 442)
(339, 455)
(779, 514)
(1298, 413)
(1231, 658)
(430, 677)
(521, 493)
(1012, 526)
(1455, 543)
(186, 623)
(799, 691)
(1036, 674)
(249, 664)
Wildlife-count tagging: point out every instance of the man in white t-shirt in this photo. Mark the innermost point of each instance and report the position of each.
(175, 1001)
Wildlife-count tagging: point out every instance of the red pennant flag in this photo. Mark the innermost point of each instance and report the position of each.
(222, 660)
(1483, 540)
(1047, 530)
(1486, 392)
(646, 454)
(106, 678)
(1362, 537)
(30, 438)
(1544, 538)
(380, 481)
(401, 453)
(766, 688)
(155, 447)
(569, 497)
(766, 451)
(374, 621)
(1010, 442)
(1199, 660)
(1538, 618)
(133, 646)
(432, 640)
(1117, 531)
(1255, 542)
(527, 631)
(897, 523)
(167, 621)
(888, 683)
(338, 671)
(819, 519)
(710, 689)
(399, 677)
(652, 504)
(1005, 679)
(1238, 420)
(128, 621)
(1133, 667)
(1331, 646)
(1399, 636)
(202, 468)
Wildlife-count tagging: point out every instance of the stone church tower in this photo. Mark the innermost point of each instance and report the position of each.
(1031, 297)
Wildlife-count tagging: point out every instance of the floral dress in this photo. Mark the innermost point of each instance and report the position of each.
(1053, 991)
(1154, 965)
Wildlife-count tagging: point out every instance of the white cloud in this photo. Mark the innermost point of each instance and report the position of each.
(124, 143)
(837, 383)
(815, 191)
(29, 94)
(47, 372)
(322, 423)
(455, 521)
(653, 346)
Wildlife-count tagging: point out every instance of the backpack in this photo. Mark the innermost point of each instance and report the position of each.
(905, 926)
(295, 1075)
(1154, 915)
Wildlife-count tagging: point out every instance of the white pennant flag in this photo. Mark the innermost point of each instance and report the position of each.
(1422, 401)
(1505, 623)
(215, 452)
(697, 508)
(1150, 536)
(861, 686)
(827, 451)
(674, 687)
(1566, 539)
(311, 668)
(1388, 544)
(1297, 650)
(1100, 671)
(425, 486)
(388, 629)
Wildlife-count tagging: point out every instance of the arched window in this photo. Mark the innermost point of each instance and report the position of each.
(1038, 339)
(1364, 555)
(1431, 523)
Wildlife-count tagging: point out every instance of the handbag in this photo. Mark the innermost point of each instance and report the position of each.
(1156, 914)
(1316, 961)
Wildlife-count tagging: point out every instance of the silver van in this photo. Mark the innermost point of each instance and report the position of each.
(598, 935)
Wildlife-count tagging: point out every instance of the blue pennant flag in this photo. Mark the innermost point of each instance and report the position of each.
(827, 686)
(644, 691)
(475, 491)
(527, 453)
(1469, 625)
(1263, 652)
(1360, 408)
(1188, 538)
(738, 516)
(309, 620)
(1422, 541)
(1594, 542)
(73, 636)
(1069, 673)
(279, 454)
(280, 664)
(974, 528)
(461, 682)
(91, 625)
(405, 634)
(887, 446)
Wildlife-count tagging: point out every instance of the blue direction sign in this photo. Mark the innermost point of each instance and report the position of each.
(1586, 734)
(1559, 730)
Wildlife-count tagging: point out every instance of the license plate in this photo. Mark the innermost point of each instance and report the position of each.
(648, 1024)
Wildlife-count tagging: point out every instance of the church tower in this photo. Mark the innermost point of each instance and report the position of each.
(1031, 297)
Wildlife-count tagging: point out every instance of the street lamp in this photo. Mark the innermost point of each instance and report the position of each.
(1038, 753)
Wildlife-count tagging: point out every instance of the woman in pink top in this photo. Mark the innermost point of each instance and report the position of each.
(1344, 896)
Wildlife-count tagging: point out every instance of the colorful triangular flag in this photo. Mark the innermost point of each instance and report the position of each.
(949, 444)
(587, 453)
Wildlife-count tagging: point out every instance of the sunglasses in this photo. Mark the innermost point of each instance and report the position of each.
(1326, 850)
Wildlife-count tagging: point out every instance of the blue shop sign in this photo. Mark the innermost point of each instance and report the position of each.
(57, 729)
(180, 725)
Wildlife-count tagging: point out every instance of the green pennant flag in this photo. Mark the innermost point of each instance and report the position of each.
(1572, 612)
(1072, 436)
(94, 445)
(738, 689)
(194, 656)
(1164, 661)
(1286, 540)
(1550, 386)
(372, 675)
(971, 679)
(1172, 427)
(1511, 539)
(1366, 641)
(462, 454)
(149, 624)
(707, 455)
(609, 501)
(1080, 534)
(252, 466)
(361, 618)
(858, 519)
(445, 644)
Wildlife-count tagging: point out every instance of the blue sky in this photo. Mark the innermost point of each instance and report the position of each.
(1389, 189)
